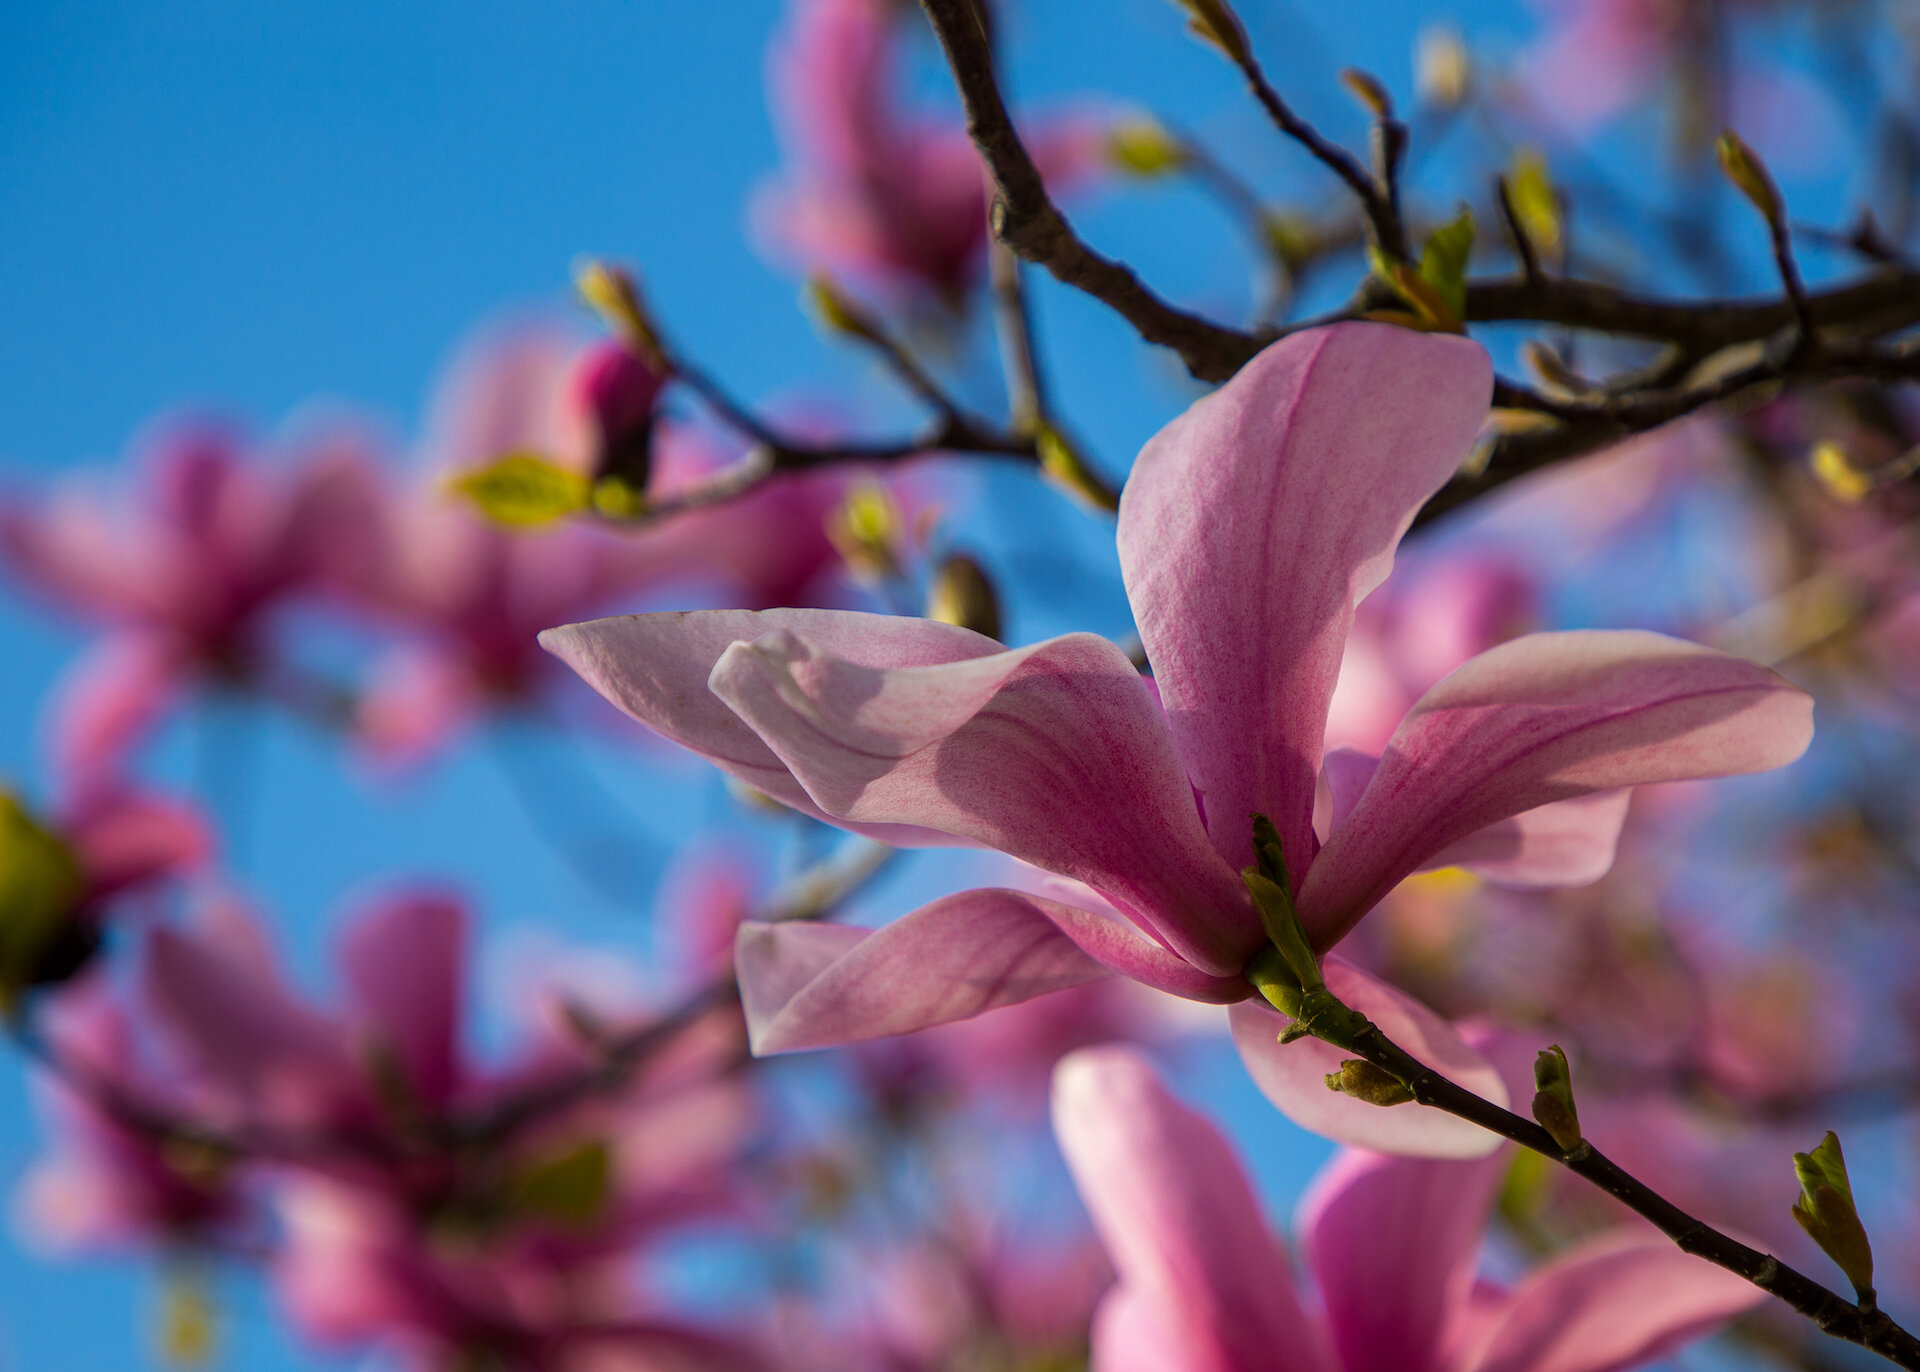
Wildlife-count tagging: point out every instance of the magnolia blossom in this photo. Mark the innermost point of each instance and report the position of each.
(1250, 528)
(1392, 1245)
(186, 564)
(471, 596)
(878, 192)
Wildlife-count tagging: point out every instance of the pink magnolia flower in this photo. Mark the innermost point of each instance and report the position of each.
(187, 566)
(1250, 527)
(104, 1181)
(473, 596)
(879, 193)
(1392, 1245)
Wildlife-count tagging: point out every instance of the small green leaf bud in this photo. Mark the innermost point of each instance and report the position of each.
(1143, 147)
(1826, 1211)
(1215, 21)
(614, 295)
(1367, 89)
(1553, 1104)
(572, 1186)
(40, 888)
(1364, 1081)
(962, 595)
(1745, 169)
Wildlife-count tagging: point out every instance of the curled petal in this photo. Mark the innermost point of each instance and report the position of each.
(1251, 527)
(1568, 843)
(1542, 719)
(1055, 753)
(1392, 1242)
(810, 985)
(655, 668)
(1614, 1303)
(1293, 1076)
(1200, 1271)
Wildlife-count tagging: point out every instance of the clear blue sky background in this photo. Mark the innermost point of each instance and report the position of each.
(252, 205)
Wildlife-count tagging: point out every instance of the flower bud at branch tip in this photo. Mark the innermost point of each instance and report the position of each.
(1826, 1211)
(1367, 89)
(1215, 21)
(1745, 169)
(1553, 1104)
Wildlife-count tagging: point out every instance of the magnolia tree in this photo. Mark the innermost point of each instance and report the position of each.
(1440, 849)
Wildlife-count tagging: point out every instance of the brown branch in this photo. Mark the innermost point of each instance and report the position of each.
(1868, 1327)
(1026, 219)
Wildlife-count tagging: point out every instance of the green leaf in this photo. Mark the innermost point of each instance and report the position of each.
(571, 1187)
(1061, 464)
(1535, 204)
(40, 886)
(1443, 261)
(524, 490)
(1745, 169)
(1215, 21)
(1826, 1211)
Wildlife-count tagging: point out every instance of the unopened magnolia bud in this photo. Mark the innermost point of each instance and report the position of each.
(1442, 67)
(1366, 88)
(1826, 1211)
(962, 595)
(1144, 147)
(1745, 169)
(618, 389)
(1363, 1081)
(1215, 21)
(1553, 1104)
(40, 888)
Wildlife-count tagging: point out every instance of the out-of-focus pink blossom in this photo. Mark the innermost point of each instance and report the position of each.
(106, 1181)
(877, 192)
(1392, 1245)
(472, 597)
(185, 563)
(1249, 530)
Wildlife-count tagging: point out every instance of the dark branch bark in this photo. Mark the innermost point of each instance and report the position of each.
(1871, 1329)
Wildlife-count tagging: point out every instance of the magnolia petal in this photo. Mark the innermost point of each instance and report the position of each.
(1200, 1271)
(1392, 1242)
(404, 962)
(1568, 843)
(655, 668)
(1054, 753)
(1254, 523)
(1614, 1303)
(808, 985)
(1543, 719)
(1293, 1076)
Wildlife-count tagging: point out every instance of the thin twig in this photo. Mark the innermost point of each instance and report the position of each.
(1870, 1328)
